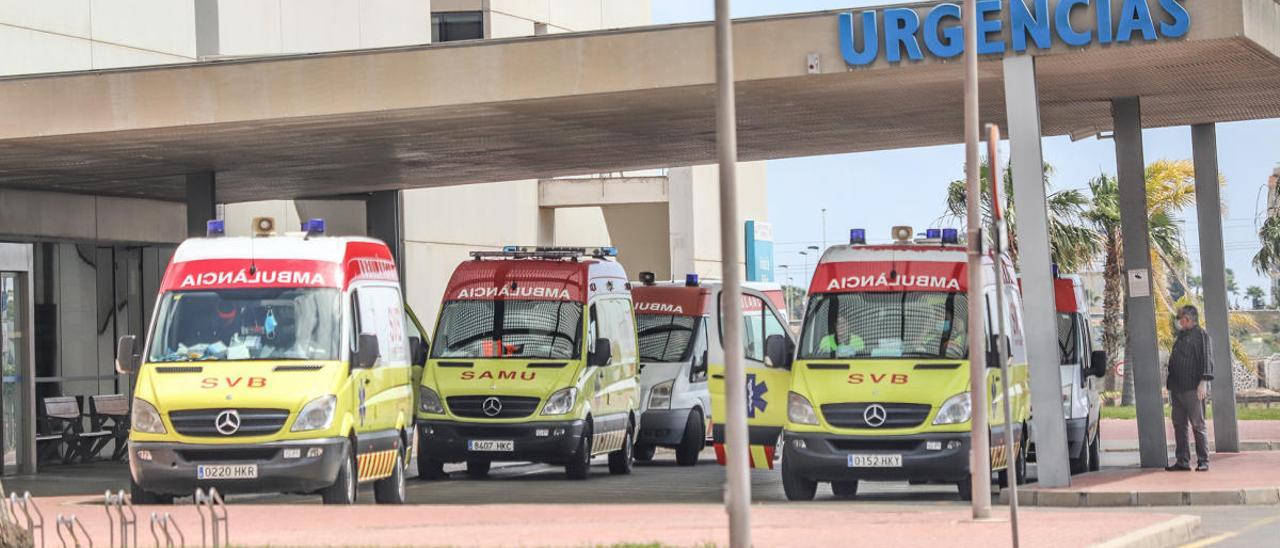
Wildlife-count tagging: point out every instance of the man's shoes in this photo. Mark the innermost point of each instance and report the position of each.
(1180, 468)
(1202, 467)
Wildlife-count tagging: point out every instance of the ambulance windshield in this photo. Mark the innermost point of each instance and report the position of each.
(665, 338)
(248, 324)
(886, 325)
(540, 330)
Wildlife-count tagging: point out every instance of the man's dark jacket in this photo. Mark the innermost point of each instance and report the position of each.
(1190, 361)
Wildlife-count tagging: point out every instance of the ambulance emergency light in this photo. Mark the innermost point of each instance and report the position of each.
(313, 226)
(950, 236)
(691, 280)
(215, 228)
(933, 234)
(857, 236)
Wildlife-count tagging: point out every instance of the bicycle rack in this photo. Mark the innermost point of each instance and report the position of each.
(27, 507)
(166, 523)
(70, 524)
(212, 503)
(119, 520)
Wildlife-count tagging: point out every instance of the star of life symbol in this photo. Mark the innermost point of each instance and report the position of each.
(755, 395)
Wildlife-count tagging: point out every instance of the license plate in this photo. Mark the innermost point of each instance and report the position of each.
(875, 461)
(491, 445)
(226, 471)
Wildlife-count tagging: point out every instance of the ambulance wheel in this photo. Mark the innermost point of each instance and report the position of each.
(343, 490)
(579, 465)
(844, 489)
(138, 495)
(1095, 452)
(692, 443)
(478, 469)
(965, 488)
(431, 469)
(796, 486)
(644, 453)
(623, 460)
(391, 490)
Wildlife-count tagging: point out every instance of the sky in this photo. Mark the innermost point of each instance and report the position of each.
(907, 186)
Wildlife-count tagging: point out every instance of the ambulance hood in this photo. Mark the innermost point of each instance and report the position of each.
(881, 381)
(246, 384)
(509, 377)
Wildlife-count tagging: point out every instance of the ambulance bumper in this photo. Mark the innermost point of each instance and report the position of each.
(663, 426)
(172, 468)
(826, 457)
(544, 441)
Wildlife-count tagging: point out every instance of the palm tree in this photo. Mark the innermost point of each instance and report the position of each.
(1072, 242)
(1256, 296)
(1233, 288)
(1267, 261)
(1170, 189)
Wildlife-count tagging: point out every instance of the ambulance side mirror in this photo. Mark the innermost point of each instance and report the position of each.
(418, 350)
(775, 349)
(1098, 363)
(366, 350)
(127, 358)
(602, 354)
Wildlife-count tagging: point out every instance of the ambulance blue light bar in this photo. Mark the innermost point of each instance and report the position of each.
(857, 236)
(313, 226)
(933, 233)
(691, 280)
(547, 252)
(215, 228)
(950, 236)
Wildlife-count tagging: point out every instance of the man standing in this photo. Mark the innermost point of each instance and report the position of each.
(1190, 370)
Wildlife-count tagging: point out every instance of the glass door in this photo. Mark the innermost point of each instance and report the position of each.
(12, 344)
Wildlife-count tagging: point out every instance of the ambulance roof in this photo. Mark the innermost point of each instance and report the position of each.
(897, 267)
(1068, 294)
(536, 279)
(277, 261)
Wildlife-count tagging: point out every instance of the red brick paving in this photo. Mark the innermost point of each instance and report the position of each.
(1228, 472)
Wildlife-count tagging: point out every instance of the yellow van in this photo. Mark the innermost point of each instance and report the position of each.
(535, 359)
(274, 364)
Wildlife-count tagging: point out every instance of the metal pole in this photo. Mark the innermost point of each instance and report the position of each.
(824, 230)
(980, 458)
(999, 234)
(738, 495)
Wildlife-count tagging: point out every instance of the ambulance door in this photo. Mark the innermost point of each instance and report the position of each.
(384, 395)
(766, 384)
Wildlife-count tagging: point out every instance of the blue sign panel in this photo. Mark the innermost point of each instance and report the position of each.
(898, 33)
(759, 251)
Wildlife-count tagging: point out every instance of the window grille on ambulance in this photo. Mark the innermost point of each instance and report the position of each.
(543, 330)
(664, 338)
(253, 422)
(886, 325)
(513, 407)
(897, 415)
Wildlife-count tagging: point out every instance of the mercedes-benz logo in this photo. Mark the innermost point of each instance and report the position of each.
(491, 406)
(227, 422)
(875, 415)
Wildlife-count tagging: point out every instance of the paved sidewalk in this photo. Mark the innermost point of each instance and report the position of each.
(1234, 478)
(801, 525)
(1122, 435)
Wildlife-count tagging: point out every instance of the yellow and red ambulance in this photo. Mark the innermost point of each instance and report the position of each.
(535, 359)
(273, 364)
(880, 385)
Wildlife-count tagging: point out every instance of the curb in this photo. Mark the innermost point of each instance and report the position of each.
(1129, 446)
(1173, 532)
(1110, 499)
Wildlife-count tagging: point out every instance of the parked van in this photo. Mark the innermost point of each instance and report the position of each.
(880, 388)
(274, 364)
(535, 360)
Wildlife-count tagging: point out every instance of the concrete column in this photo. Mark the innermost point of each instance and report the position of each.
(546, 226)
(680, 222)
(1041, 325)
(1141, 351)
(1213, 269)
(384, 215)
(201, 202)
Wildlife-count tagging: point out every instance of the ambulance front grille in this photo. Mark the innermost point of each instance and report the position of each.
(253, 422)
(897, 415)
(511, 407)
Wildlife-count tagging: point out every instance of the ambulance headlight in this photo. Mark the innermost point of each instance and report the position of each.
(145, 418)
(955, 410)
(429, 401)
(660, 396)
(316, 414)
(561, 402)
(799, 410)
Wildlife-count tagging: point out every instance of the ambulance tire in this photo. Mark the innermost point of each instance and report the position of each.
(391, 490)
(579, 465)
(1020, 465)
(346, 485)
(431, 469)
(1095, 452)
(692, 443)
(964, 488)
(644, 453)
(138, 495)
(844, 489)
(623, 460)
(795, 486)
(478, 469)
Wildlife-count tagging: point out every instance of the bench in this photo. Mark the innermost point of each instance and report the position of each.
(61, 435)
(110, 413)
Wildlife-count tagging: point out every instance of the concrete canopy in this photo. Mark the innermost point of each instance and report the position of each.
(333, 124)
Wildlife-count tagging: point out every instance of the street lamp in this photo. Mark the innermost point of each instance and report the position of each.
(786, 295)
(824, 228)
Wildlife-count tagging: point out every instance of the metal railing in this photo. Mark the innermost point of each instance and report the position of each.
(218, 528)
(125, 523)
(31, 515)
(168, 528)
(72, 525)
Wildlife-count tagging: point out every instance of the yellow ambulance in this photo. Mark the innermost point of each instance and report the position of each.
(273, 364)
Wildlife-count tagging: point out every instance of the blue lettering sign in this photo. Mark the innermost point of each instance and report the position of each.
(1031, 23)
